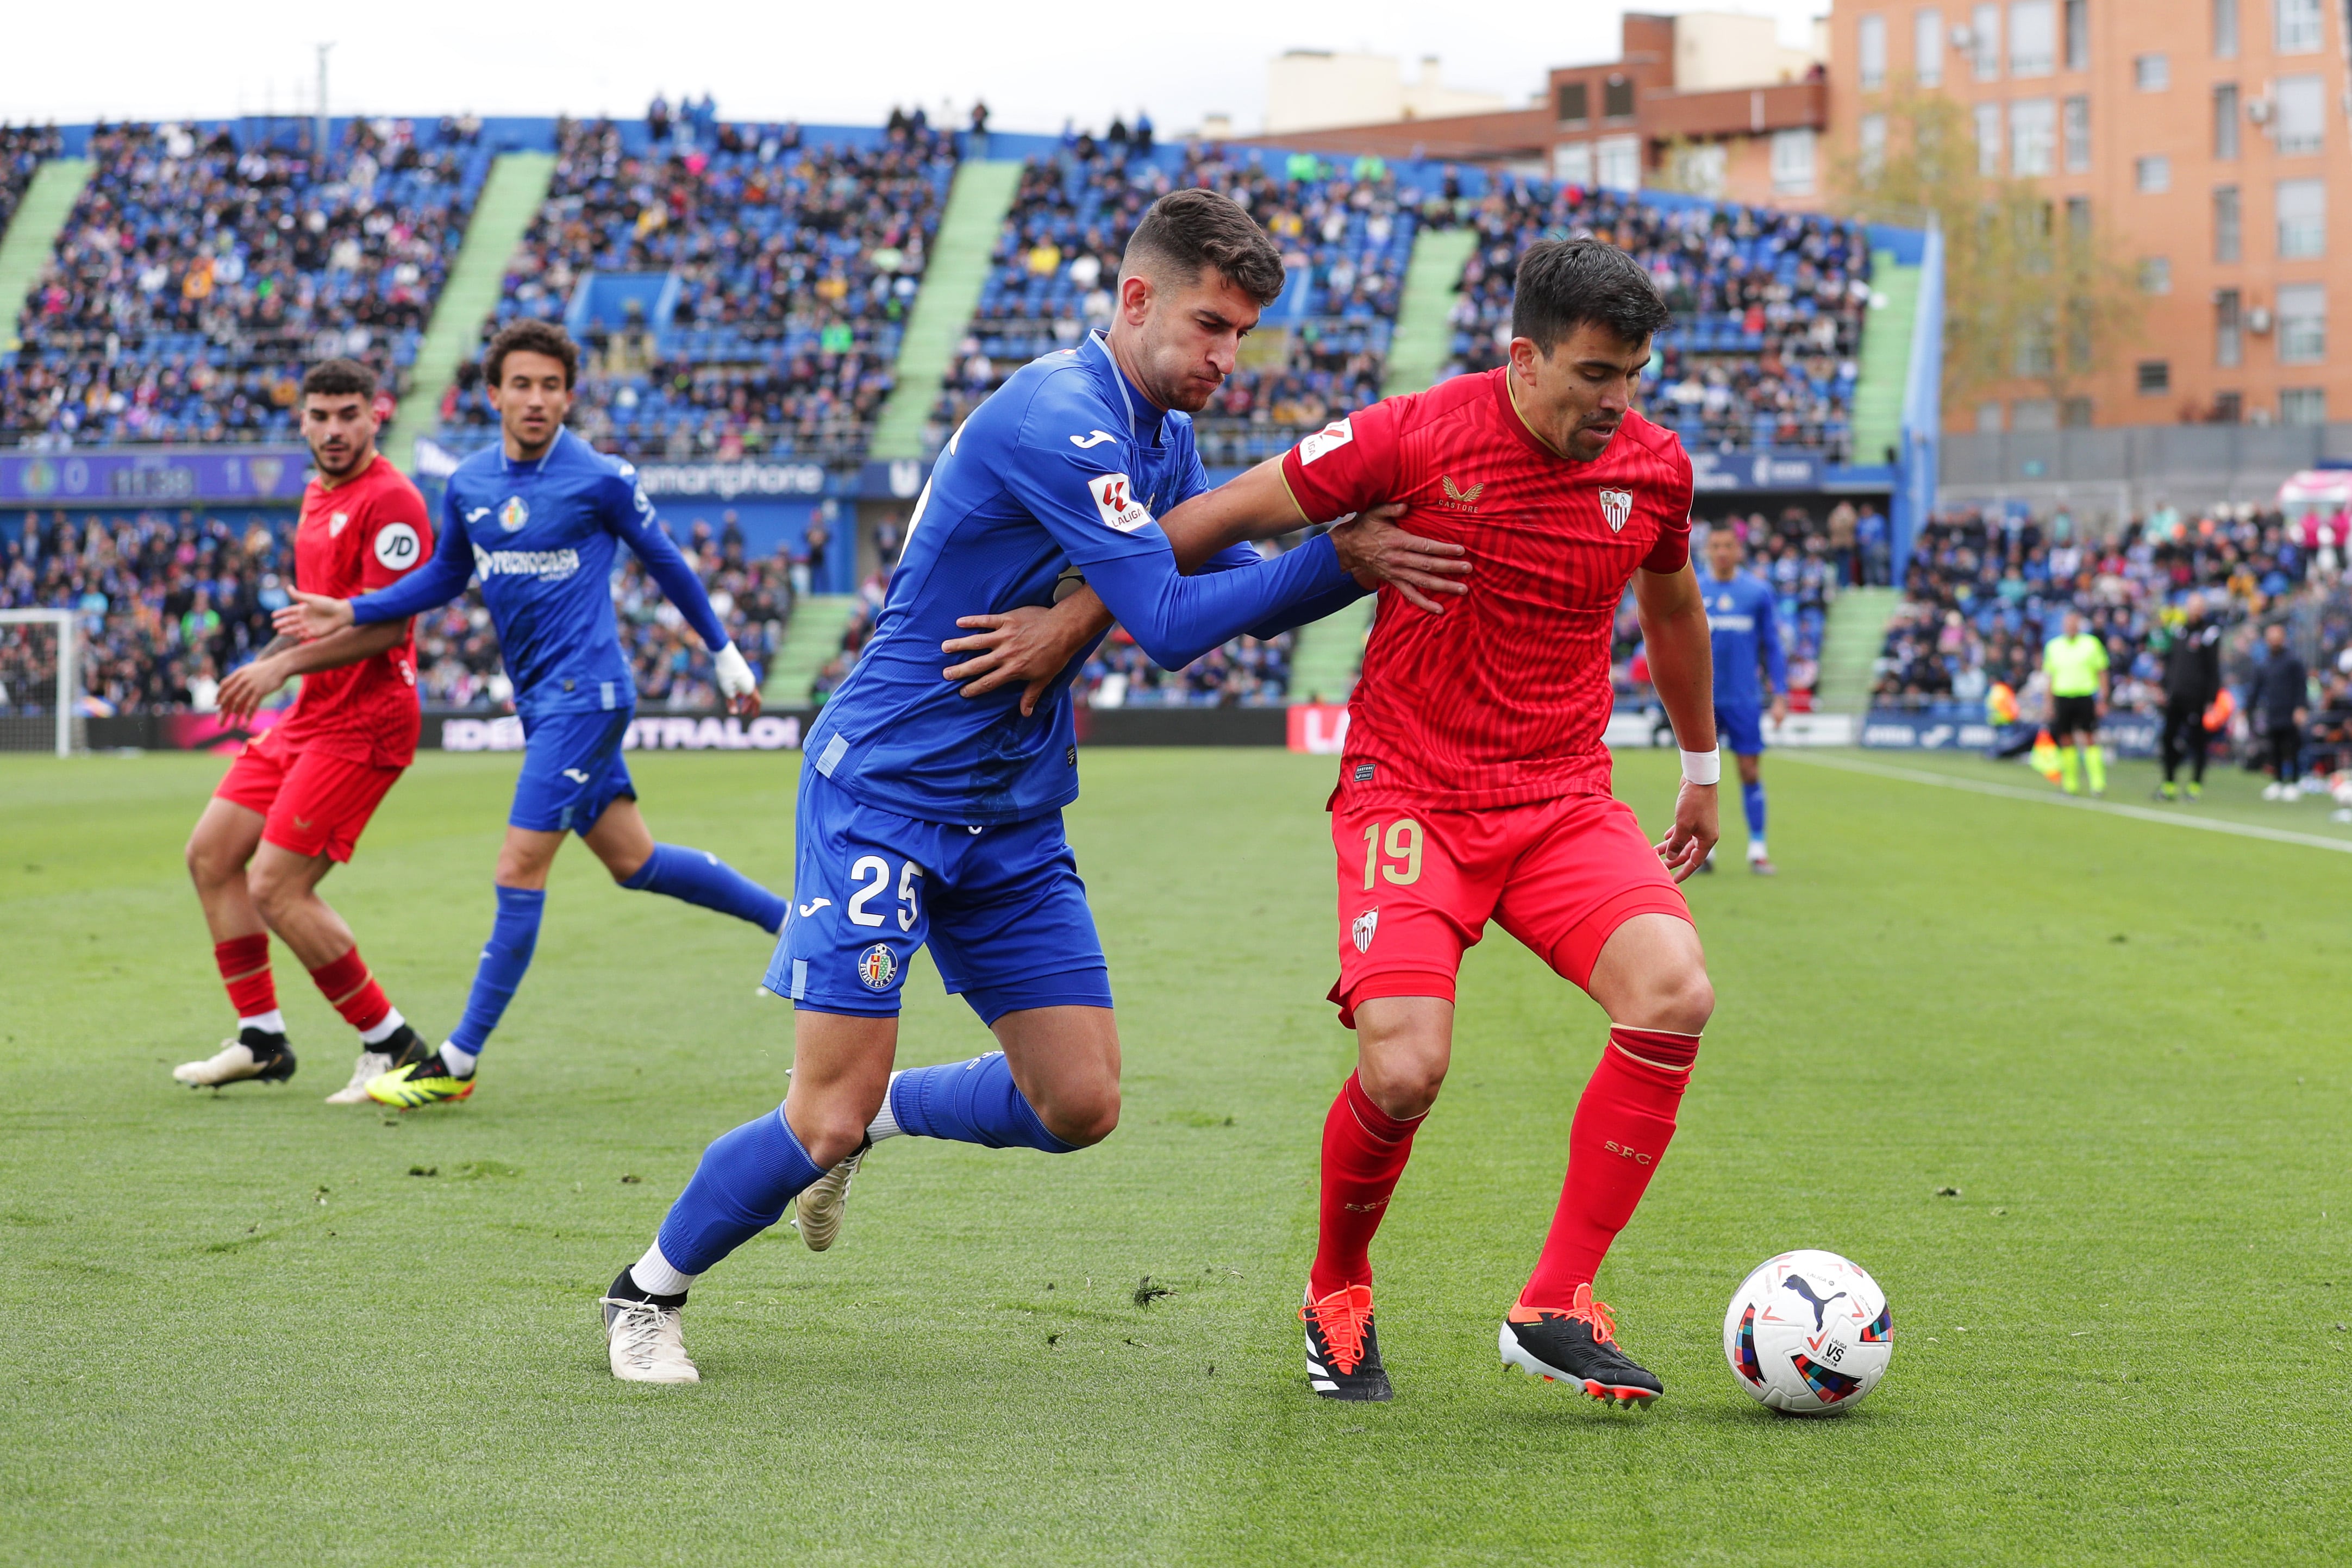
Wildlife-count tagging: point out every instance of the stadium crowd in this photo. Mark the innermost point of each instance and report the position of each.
(197, 270)
(22, 149)
(168, 604)
(794, 263)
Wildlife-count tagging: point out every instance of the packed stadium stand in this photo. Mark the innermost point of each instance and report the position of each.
(1345, 233)
(202, 266)
(739, 289)
(22, 149)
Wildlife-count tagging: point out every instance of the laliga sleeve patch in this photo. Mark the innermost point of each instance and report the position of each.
(397, 547)
(1331, 438)
(1115, 500)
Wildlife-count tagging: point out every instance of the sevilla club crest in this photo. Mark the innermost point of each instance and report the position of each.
(1360, 932)
(1617, 505)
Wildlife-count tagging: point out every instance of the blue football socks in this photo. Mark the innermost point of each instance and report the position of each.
(1752, 796)
(740, 1188)
(973, 1101)
(505, 956)
(699, 877)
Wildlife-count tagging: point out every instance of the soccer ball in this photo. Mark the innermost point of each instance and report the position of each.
(1807, 1333)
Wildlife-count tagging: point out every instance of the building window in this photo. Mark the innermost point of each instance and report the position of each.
(1792, 161)
(2298, 27)
(1872, 132)
(2301, 324)
(1699, 168)
(2074, 413)
(2155, 275)
(2037, 350)
(2228, 408)
(2152, 175)
(2078, 218)
(2229, 329)
(2032, 39)
(2078, 135)
(1575, 102)
(2225, 120)
(1984, 41)
(2228, 244)
(1870, 48)
(1988, 138)
(1617, 98)
(2303, 405)
(2033, 413)
(2155, 378)
(1617, 162)
(1988, 418)
(2151, 73)
(2225, 29)
(2301, 219)
(2033, 136)
(2078, 34)
(1928, 47)
(1571, 164)
(2299, 119)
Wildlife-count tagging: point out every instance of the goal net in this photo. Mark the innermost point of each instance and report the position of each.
(38, 685)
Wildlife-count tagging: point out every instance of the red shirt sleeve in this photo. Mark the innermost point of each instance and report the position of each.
(398, 538)
(1349, 465)
(1672, 552)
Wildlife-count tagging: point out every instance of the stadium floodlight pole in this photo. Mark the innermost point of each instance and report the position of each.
(63, 621)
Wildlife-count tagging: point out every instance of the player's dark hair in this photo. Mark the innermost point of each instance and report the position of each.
(529, 337)
(1186, 231)
(1565, 283)
(339, 377)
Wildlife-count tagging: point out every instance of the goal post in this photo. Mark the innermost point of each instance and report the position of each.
(37, 680)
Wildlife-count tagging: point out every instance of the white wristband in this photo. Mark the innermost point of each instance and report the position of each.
(1703, 767)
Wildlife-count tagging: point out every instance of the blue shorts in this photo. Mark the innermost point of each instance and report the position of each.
(1001, 908)
(1740, 730)
(572, 770)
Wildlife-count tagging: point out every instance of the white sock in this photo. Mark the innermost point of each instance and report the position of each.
(653, 1274)
(1755, 849)
(385, 1030)
(459, 1062)
(884, 1126)
(271, 1022)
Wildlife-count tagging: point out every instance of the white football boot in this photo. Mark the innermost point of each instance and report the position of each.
(817, 1213)
(370, 1065)
(646, 1343)
(235, 1062)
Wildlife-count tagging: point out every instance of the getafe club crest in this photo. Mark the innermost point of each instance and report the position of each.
(1361, 931)
(877, 967)
(1616, 506)
(514, 515)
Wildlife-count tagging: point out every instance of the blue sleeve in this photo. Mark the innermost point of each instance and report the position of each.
(436, 582)
(1768, 636)
(629, 514)
(1288, 617)
(1176, 619)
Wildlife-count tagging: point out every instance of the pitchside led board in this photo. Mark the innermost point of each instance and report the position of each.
(147, 477)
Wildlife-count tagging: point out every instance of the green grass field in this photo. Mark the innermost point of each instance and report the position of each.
(243, 1330)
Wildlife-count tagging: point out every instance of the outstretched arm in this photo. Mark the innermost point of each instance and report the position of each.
(644, 533)
(1682, 669)
(249, 685)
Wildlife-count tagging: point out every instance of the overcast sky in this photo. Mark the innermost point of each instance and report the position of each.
(837, 63)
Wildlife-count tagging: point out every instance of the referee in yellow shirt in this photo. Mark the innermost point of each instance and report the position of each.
(2077, 665)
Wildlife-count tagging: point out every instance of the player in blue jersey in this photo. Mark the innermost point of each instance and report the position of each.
(929, 818)
(537, 517)
(1744, 629)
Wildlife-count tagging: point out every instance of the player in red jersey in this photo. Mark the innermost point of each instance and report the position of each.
(1474, 784)
(296, 802)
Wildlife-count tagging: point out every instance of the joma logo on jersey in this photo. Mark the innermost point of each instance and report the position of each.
(1115, 499)
(513, 515)
(1461, 500)
(1617, 505)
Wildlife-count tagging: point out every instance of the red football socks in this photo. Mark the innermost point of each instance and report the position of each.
(353, 991)
(245, 969)
(1623, 1126)
(1364, 1152)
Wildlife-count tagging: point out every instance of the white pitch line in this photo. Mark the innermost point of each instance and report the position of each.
(2006, 792)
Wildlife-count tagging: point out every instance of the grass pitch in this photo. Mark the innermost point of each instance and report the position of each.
(245, 1328)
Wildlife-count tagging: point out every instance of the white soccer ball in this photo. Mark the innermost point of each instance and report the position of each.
(1807, 1333)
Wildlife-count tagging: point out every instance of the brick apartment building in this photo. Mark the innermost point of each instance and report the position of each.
(2210, 135)
(1707, 102)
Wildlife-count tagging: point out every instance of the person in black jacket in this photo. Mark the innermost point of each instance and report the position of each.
(2278, 705)
(2192, 679)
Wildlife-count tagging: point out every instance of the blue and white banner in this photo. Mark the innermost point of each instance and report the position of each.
(1895, 729)
(159, 475)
